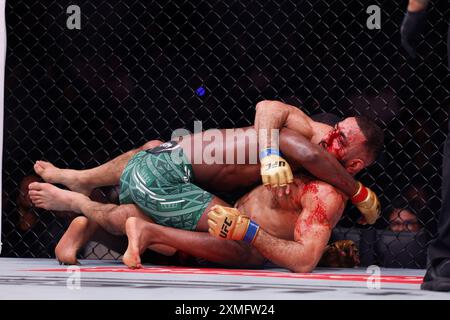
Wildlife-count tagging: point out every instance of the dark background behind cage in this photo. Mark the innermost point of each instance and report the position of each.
(78, 98)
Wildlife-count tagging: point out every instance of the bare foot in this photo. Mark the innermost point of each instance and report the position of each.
(72, 241)
(68, 177)
(49, 197)
(137, 242)
(132, 257)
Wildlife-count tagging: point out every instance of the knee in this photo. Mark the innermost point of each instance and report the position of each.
(150, 144)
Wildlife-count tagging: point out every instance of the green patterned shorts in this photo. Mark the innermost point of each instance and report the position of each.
(160, 182)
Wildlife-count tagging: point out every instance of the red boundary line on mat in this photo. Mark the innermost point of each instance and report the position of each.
(239, 272)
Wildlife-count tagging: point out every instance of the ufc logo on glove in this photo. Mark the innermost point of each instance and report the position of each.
(276, 164)
(225, 225)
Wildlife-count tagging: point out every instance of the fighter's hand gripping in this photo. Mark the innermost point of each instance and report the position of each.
(275, 171)
(368, 204)
(229, 223)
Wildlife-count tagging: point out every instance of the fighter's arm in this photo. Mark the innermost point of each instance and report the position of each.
(413, 24)
(300, 152)
(417, 5)
(271, 116)
(311, 235)
(277, 115)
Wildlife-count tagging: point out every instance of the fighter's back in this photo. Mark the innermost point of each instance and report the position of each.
(223, 159)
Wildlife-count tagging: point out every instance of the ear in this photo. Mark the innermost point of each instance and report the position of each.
(354, 166)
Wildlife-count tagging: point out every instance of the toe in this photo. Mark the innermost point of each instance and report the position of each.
(45, 164)
(33, 193)
(35, 186)
(38, 168)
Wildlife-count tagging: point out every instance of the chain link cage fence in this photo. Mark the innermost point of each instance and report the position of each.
(78, 98)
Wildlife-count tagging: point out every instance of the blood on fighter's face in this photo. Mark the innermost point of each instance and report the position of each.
(334, 142)
(345, 139)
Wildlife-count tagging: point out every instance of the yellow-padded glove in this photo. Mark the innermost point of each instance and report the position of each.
(367, 203)
(229, 223)
(275, 170)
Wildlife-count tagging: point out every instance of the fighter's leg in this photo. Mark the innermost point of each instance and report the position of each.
(165, 189)
(109, 216)
(83, 181)
(80, 231)
(142, 234)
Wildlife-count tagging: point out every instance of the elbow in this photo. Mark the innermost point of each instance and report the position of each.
(263, 104)
(306, 266)
(302, 268)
